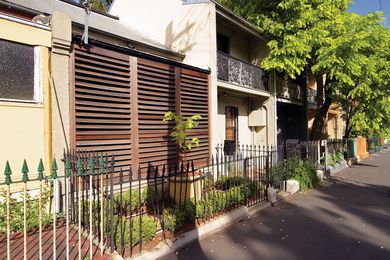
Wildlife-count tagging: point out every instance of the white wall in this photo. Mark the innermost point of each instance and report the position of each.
(246, 135)
(183, 28)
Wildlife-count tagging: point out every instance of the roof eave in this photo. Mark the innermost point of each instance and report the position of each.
(238, 20)
(145, 45)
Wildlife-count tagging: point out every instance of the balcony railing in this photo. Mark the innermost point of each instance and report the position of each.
(311, 96)
(240, 73)
(288, 90)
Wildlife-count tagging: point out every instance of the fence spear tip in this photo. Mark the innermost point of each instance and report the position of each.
(40, 170)
(7, 173)
(25, 171)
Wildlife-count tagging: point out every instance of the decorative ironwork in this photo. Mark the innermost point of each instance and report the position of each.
(311, 96)
(241, 73)
(288, 90)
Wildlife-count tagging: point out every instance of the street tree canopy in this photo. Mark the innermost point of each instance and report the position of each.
(347, 54)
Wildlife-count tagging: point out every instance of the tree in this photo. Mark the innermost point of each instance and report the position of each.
(365, 98)
(318, 37)
(180, 132)
(99, 5)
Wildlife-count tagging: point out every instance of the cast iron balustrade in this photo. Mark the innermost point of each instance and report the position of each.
(235, 71)
(312, 96)
(287, 89)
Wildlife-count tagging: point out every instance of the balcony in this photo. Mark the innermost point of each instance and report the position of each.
(312, 96)
(288, 90)
(237, 72)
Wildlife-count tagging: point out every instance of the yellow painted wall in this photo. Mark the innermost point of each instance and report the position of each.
(22, 129)
(23, 33)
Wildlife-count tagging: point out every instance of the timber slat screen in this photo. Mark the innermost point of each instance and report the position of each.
(102, 103)
(194, 89)
(111, 87)
(156, 96)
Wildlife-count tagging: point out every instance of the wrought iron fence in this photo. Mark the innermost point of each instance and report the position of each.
(241, 73)
(153, 204)
(106, 209)
(102, 208)
(31, 218)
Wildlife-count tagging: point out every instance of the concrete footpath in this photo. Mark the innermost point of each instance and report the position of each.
(347, 217)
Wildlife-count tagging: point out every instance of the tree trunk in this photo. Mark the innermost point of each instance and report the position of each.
(322, 108)
(347, 127)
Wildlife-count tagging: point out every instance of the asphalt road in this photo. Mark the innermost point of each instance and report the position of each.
(348, 217)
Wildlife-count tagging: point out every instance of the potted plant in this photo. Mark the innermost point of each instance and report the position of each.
(187, 185)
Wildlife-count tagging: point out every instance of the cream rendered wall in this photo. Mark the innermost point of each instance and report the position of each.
(246, 135)
(238, 42)
(59, 92)
(258, 51)
(186, 28)
(22, 132)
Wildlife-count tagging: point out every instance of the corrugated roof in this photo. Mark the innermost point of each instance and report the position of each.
(96, 21)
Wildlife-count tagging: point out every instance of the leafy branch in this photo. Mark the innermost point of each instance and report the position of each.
(180, 131)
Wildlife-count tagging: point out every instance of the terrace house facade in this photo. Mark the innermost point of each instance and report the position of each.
(242, 104)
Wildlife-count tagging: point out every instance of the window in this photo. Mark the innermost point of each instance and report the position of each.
(223, 43)
(231, 117)
(19, 72)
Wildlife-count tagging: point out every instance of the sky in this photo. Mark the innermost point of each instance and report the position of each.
(364, 6)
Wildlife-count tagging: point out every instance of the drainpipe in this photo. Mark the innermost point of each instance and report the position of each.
(48, 116)
(266, 120)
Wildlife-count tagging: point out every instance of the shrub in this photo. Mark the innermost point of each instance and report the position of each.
(306, 175)
(226, 182)
(135, 198)
(16, 210)
(149, 228)
(335, 158)
(217, 200)
(173, 218)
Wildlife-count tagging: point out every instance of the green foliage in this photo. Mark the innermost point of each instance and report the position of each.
(134, 199)
(226, 182)
(180, 130)
(306, 175)
(321, 38)
(336, 158)
(174, 218)
(16, 210)
(149, 228)
(229, 182)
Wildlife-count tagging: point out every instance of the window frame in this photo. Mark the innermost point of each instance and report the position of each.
(234, 118)
(223, 38)
(37, 89)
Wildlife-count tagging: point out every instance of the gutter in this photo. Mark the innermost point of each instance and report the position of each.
(239, 20)
(77, 39)
(145, 45)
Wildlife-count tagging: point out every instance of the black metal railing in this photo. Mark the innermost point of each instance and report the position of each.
(312, 96)
(238, 72)
(287, 89)
(126, 210)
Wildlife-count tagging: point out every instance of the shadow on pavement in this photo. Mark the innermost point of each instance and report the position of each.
(349, 219)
